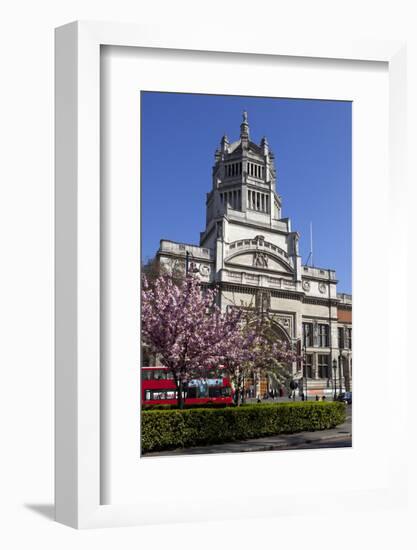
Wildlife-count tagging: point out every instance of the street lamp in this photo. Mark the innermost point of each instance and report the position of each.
(305, 367)
(348, 370)
(334, 382)
(340, 370)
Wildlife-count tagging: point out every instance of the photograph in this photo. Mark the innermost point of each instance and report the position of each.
(246, 274)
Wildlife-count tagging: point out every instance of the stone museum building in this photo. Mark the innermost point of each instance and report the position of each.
(252, 253)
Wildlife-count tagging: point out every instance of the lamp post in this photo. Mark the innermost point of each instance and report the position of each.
(340, 370)
(306, 373)
(348, 369)
(334, 380)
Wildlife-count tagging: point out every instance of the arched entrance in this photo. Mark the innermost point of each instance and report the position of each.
(273, 383)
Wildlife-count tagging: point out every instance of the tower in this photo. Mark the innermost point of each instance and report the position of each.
(243, 201)
(244, 180)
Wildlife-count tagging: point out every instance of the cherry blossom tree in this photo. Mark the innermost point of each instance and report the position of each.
(182, 324)
(253, 350)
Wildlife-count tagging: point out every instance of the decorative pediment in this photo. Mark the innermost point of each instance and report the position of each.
(258, 253)
(258, 259)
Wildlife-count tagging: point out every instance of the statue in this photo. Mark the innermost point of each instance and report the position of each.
(260, 259)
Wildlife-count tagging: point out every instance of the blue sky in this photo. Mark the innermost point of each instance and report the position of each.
(311, 140)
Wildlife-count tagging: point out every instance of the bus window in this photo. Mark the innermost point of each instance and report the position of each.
(160, 395)
(215, 391)
(192, 392)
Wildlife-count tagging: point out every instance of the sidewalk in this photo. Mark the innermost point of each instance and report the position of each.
(341, 436)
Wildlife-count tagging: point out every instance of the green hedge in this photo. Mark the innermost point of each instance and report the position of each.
(168, 429)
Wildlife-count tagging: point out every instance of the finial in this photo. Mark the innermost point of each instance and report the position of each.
(224, 143)
(244, 127)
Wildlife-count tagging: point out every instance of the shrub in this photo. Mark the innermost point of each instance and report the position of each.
(168, 429)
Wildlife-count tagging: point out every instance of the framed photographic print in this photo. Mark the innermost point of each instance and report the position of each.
(219, 207)
(279, 332)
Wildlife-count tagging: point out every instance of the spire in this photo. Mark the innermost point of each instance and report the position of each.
(265, 146)
(224, 144)
(244, 127)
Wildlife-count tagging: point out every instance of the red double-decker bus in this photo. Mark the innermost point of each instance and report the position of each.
(158, 388)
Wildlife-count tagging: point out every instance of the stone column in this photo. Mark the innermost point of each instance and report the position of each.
(315, 366)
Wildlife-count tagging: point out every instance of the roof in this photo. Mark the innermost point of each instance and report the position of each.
(236, 147)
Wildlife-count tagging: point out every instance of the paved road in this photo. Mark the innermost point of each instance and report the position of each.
(341, 436)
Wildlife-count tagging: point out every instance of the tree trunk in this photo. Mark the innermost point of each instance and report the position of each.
(179, 386)
(238, 389)
(180, 398)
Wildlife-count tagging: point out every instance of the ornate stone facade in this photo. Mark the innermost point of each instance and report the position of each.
(252, 253)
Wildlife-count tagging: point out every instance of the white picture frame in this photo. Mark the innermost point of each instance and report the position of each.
(78, 258)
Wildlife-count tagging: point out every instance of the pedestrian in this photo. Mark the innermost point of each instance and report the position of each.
(323, 398)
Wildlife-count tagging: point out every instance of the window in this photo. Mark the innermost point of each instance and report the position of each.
(323, 336)
(215, 391)
(341, 334)
(192, 392)
(160, 395)
(156, 374)
(307, 335)
(146, 375)
(323, 364)
(349, 338)
(308, 366)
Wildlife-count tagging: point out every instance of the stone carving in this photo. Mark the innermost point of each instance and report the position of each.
(315, 334)
(260, 259)
(296, 238)
(322, 288)
(263, 300)
(204, 270)
(177, 266)
(284, 322)
(306, 286)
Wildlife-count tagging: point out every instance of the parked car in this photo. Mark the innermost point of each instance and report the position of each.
(345, 397)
